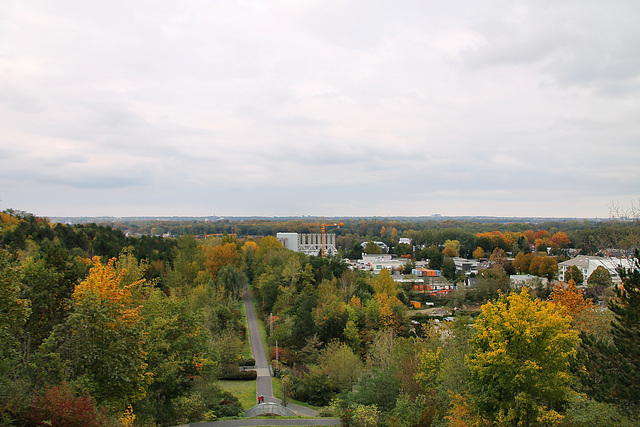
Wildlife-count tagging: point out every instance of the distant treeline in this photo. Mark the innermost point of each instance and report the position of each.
(590, 236)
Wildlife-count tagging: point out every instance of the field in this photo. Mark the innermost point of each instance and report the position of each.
(245, 391)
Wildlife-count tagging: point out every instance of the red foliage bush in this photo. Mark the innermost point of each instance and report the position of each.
(59, 407)
(284, 355)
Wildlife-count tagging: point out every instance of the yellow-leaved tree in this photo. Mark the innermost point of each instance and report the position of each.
(519, 361)
(391, 310)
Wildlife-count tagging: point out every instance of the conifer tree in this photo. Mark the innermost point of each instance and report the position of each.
(611, 369)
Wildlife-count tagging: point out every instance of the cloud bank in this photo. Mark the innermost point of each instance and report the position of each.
(319, 107)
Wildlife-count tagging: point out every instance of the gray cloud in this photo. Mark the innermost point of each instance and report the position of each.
(319, 107)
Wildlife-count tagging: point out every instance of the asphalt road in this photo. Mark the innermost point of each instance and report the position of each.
(271, 422)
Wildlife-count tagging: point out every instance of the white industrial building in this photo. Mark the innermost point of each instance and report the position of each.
(309, 244)
(376, 262)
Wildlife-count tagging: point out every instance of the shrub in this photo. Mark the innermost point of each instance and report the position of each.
(284, 355)
(207, 402)
(59, 407)
(247, 362)
(231, 374)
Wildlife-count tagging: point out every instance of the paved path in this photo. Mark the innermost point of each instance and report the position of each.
(271, 422)
(263, 381)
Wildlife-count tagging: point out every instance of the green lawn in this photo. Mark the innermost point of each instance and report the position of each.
(245, 391)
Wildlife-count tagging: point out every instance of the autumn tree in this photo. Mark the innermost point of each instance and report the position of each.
(451, 248)
(478, 253)
(561, 239)
(530, 235)
(498, 256)
(101, 344)
(544, 266)
(219, 256)
(268, 244)
(391, 309)
(522, 262)
(582, 311)
(519, 360)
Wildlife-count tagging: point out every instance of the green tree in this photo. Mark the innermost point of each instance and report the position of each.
(177, 351)
(379, 387)
(49, 278)
(435, 257)
(575, 274)
(492, 281)
(365, 416)
(340, 364)
(449, 268)
(372, 248)
(188, 260)
(14, 311)
(314, 387)
(600, 277)
(232, 280)
(519, 360)
(352, 335)
(403, 249)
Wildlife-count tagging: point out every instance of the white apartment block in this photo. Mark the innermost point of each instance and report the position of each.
(587, 265)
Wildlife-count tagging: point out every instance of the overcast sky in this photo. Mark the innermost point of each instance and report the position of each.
(354, 108)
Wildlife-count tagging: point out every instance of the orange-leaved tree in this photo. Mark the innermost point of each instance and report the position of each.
(582, 311)
(218, 256)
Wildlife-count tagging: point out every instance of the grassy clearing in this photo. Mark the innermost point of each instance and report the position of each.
(245, 391)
